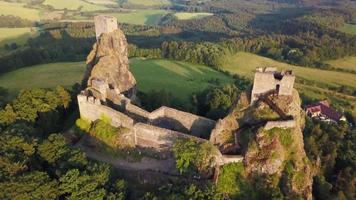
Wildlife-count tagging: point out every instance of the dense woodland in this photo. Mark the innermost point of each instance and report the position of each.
(37, 162)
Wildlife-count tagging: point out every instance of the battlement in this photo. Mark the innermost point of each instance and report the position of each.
(83, 97)
(104, 24)
(92, 109)
(269, 79)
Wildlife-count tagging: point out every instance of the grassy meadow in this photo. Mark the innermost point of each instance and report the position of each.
(15, 35)
(74, 5)
(18, 9)
(43, 76)
(348, 28)
(180, 78)
(103, 2)
(140, 17)
(149, 2)
(245, 63)
(187, 16)
(348, 63)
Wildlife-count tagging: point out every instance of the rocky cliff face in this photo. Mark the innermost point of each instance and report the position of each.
(276, 156)
(108, 62)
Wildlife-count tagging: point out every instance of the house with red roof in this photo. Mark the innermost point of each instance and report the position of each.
(323, 111)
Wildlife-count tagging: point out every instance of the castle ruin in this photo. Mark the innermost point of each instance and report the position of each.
(269, 79)
(110, 91)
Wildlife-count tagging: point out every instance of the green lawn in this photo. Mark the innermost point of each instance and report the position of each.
(179, 78)
(348, 63)
(74, 5)
(141, 17)
(245, 63)
(186, 15)
(18, 9)
(348, 28)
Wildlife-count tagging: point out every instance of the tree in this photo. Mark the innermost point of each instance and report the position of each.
(56, 152)
(31, 102)
(215, 102)
(31, 185)
(64, 96)
(16, 151)
(85, 185)
(7, 116)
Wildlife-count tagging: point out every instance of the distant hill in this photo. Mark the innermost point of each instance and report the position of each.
(313, 2)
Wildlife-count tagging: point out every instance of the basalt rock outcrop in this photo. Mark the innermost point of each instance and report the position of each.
(108, 62)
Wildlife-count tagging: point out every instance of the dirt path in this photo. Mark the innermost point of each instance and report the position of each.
(146, 163)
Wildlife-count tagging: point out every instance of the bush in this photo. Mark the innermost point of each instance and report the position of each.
(193, 156)
(83, 124)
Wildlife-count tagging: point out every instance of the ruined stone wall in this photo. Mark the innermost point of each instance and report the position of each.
(104, 24)
(266, 80)
(286, 85)
(226, 159)
(92, 109)
(158, 138)
(173, 119)
(136, 113)
(263, 82)
(280, 124)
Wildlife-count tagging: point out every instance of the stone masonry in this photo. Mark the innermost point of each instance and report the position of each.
(269, 79)
(104, 24)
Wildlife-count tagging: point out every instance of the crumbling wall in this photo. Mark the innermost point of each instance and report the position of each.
(158, 138)
(263, 82)
(226, 159)
(173, 119)
(280, 124)
(104, 24)
(92, 109)
(267, 79)
(286, 85)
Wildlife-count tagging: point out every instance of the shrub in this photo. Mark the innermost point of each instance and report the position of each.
(83, 124)
(193, 156)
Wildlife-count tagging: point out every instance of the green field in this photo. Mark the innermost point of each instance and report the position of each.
(15, 35)
(103, 2)
(39, 76)
(348, 63)
(18, 9)
(245, 63)
(73, 5)
(141, 17)
(348, 28)
(187, 16)
(179, 78)
(149, 2)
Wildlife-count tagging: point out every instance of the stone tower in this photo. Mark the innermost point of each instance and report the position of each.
(108, 74)
(104, 24)
(269, 79)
